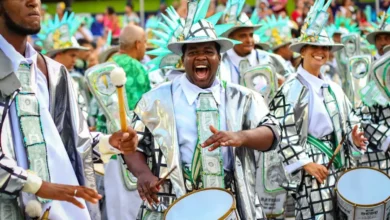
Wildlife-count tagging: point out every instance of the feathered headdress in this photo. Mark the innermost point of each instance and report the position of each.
(313, 32)
(275, 31)
(57, 36)
(382, 27)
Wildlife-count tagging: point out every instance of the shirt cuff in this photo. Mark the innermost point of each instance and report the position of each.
(297, 165)
(33, 183)
(105, 149)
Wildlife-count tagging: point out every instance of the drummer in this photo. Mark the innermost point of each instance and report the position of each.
(314, 121)
(170, 133)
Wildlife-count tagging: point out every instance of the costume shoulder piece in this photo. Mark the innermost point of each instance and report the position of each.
(294, 83)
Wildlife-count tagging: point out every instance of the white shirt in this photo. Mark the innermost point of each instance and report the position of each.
(185, 95)
(60, 168)
(235, 60)
(320, 123)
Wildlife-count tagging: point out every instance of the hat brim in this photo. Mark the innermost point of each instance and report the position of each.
(51, 53)
(104, 56)
(281, 45)
(386, 49)
(296, 47)
(232, 29)
(263, 46)
(371, 36)
(224, 43)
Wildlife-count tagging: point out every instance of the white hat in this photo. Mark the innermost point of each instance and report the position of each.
(382, 28)
(313, 31)
(233, 15)
(201, 32)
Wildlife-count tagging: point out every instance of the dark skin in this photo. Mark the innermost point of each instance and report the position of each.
(382, 40)
(245, 35)
(285, 52)
(18, 19)
(201, 54)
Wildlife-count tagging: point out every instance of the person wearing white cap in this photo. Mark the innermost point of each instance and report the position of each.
(314, 120)
(177, 139)
(381, 36)
(45, 146)
(243, 55)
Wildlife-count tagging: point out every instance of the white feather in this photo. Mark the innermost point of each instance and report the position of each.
(34, 209)
(118, 76)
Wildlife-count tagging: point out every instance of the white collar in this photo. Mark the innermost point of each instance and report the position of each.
(192, 91)
(315, 82)
(15, 57)
(236, 59)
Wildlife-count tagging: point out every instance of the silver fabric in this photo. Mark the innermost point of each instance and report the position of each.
(70, 124)
(291, 107)
(376, 125)
(279, 64)
(244, 110)
(359, 68)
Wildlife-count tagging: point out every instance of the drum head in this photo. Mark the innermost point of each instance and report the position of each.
(209, 204)
(364, 186)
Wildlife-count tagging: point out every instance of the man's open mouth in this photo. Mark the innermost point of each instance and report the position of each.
(202, 71)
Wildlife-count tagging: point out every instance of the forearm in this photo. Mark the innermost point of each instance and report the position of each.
(261, 138)
(136, 163)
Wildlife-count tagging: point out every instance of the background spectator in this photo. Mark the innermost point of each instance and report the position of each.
(111, 22)
(130, 16)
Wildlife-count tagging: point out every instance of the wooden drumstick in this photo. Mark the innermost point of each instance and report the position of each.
(336, 152)
(165, 177)
(118, 78)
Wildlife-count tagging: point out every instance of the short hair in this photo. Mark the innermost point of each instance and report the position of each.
(110, 10)
(217, 46)
(83, 41)
(129, 35)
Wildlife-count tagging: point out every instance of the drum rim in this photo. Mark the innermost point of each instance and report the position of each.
(232, 208)
(356, 204)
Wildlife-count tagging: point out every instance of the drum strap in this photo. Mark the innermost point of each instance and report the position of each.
(326, 149)
(334, 113)
(205, 163)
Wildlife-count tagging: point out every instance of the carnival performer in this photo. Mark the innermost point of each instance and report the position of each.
(46, 149)
(118, 194)
(243, 31)
(277, 32)
(381, 36)
(314, 121)
(374, 118)
(177, 137)
(58, 42)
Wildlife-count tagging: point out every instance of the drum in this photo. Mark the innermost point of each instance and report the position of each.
(363, 193)
(205, 204)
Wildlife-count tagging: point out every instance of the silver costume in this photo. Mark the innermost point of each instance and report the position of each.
(263, 57)
(70, 124)
(156, 126)
(291, 107)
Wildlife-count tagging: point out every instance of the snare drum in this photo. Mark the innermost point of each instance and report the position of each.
(205, 204)
(363, 193)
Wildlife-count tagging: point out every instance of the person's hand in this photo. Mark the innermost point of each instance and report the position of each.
(358, 138)
(223, 138)
(126, 142)
(318, 171)
(147, 189)
(68, 193)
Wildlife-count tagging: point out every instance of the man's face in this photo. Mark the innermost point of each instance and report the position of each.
(285, 52)
(337, 38)
(201, 62)
(22, 17)
(245, 35)
(84, 54)
(382, 40)
(141, 46)
(67, 58)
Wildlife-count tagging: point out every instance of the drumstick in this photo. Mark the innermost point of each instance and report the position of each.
(165, 177)
(336, 152)
(118, 78)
